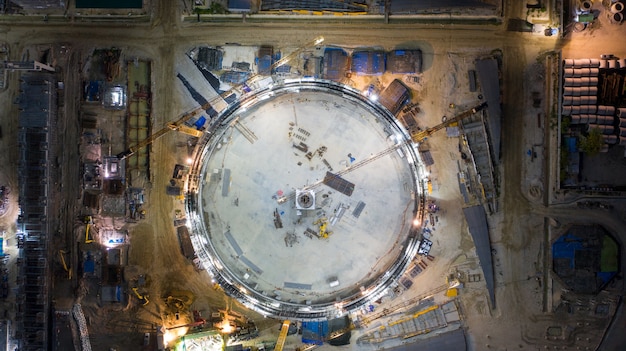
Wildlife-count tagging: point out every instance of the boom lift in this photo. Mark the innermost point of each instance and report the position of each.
(180, 123)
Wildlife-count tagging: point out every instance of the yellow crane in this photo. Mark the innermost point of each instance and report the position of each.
(141, 297)
(65, 267)
(421, 135)
(88, 223)
(179, 124)
(282, 336)
(417, 137)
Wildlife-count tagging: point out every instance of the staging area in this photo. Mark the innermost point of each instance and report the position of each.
(305, 201)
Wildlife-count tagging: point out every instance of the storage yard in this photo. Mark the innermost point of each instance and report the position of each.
(234, 181)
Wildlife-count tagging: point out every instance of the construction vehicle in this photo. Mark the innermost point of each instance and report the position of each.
(143, 298)
(88, 224)
(62, 253)
(180, 123)
(322, 224)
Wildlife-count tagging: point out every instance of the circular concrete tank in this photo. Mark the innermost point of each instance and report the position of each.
(305, 199)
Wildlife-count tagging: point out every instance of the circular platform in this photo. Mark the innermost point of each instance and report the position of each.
(305, 200)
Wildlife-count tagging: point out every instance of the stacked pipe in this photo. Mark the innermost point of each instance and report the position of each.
(605, 129)
(77, 311)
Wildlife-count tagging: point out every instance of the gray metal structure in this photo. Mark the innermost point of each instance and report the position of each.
(477, 222)
(37, 104)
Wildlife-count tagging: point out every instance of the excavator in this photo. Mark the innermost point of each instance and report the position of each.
(179, 124)
(143, 298)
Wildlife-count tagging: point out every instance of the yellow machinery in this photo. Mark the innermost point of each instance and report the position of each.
(421, 135)
(88, 223)
(323, 224)
(65, 267)
(282, 336)
(416, 137)
(143, 298)
(180, 123)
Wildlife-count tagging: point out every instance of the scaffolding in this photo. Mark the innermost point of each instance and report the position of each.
(37, 105)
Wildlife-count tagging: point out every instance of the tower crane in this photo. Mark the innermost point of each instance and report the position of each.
(417, 137)
(179, 124)
(421, 135)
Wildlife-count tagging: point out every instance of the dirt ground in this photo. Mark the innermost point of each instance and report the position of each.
(520, 231)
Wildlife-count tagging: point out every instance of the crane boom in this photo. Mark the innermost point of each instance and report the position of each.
(178, 124)
(423, 134)
(282, 336)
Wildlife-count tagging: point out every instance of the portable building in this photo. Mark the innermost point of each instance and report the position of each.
(369, 62)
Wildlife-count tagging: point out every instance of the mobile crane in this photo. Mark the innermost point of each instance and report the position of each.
(179, 124)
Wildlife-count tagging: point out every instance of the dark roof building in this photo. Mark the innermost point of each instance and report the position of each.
(368, 62)
(335, 64)
(404, 61)
(394, 96)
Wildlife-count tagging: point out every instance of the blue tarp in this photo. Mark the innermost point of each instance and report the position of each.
(571, 144)
(314, 332)
(369, 62)
(200, 122)
(1, 247)
(566, 246)
(89, 266)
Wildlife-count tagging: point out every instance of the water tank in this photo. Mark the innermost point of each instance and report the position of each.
(621, 63)
(568, 63)
(568, 91)
(622, 122)
(622, 141)
(617, 7)
(594, 63)
(576, 100)
(617, 17)
(605, 148)
(622, 132)
(568, 72)
(575, 119)
(621, 112)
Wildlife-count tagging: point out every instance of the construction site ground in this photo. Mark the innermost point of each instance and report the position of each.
(532, 212)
